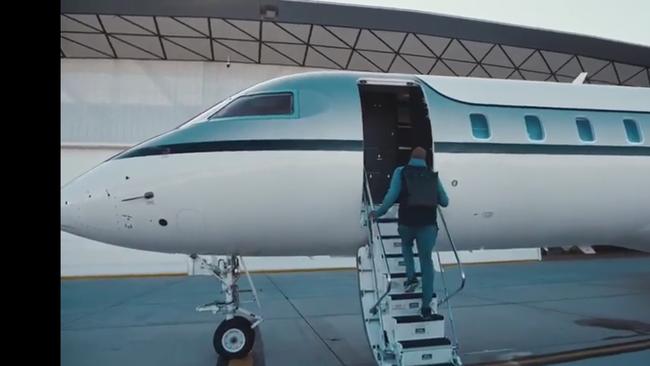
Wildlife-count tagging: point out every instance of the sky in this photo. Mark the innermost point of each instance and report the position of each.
(621, 20)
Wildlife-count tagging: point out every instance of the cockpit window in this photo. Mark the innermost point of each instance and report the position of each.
(257, 105)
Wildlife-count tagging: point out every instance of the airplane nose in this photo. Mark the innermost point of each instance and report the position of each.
(70, 212)
(87, 209)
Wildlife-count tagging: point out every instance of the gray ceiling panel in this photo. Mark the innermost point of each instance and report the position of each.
(339, 55)
(174, 50)
(641, 79)
(193, 48)
(117, 24)
(571, 68)
(96, 41)
(271, 55)
(235, 51)
(478, 49)
(456, 51)
(441, 69)
(172, 27)
(516, 76)
(607, 74)
(498, 58)
(74, 49)
(381, 59)
(138, 47)
(479, 72)
(250, 50)
(274, 33)
(535, 63)
(300, 31)
(459, 67)
(421, 64)
(316, 59)
(498, 72)
(321, 36)
(222, 28)
(358, 62)
(592, 65)
(517, 54)
(435, 44)
(348, 35)
(402, 67)
(76, 23)
(200, 25)
(393, 39)
(293, 51)
(556, 60)
(147, 23)
(368, 41)
(531, 75)
(626, 72)
(413, 46)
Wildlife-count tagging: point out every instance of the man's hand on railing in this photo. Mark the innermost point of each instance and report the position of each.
(372, 215)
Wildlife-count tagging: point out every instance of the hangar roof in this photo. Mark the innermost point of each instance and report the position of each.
(344, 37)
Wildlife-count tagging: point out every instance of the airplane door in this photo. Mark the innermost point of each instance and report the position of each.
(395, 120)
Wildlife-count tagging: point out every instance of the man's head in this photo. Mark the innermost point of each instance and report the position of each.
(419, 153)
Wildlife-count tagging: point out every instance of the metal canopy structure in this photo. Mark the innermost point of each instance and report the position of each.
(333, 36)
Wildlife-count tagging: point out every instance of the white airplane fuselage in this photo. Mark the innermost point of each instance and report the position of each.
(292, 184)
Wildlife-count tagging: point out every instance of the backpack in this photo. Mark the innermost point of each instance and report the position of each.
(421, 187)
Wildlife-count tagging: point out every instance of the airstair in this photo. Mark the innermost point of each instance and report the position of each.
(397, 333)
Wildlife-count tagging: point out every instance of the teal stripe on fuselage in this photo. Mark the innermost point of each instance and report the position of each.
(357, 145)
(539, 149)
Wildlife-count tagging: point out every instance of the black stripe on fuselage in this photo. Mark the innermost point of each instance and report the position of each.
(539, 149)
(356, 145)
(246, 145)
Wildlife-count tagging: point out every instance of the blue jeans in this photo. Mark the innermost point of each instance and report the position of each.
(425, 238)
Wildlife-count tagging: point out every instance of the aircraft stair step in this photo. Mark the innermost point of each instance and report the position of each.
(394, 246)
(398, 264)
(409, 303)
(399, 255)
(398, 280)
(416, 319)
(384, 220)
(403, 274)
(422, 352)
(390, 237)
(414, 327)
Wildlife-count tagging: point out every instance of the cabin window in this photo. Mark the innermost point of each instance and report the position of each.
(480, 129)
(258, 105)
(534, 128)
(632, 131)
(585, 132)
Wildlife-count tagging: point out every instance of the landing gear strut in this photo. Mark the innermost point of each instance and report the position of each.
(235, 336)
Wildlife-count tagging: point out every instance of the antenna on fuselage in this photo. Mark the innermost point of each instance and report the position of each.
(580, 79)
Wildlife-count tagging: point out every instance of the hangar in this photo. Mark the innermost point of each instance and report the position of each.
(131, 70)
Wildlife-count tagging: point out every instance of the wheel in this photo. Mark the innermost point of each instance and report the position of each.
(234, 338)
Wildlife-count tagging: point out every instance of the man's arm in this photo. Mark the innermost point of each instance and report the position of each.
(443, 200)
(393, 193)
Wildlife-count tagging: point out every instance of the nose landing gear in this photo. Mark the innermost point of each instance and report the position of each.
(235, 336)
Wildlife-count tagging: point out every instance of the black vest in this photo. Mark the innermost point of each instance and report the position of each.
(419, 197)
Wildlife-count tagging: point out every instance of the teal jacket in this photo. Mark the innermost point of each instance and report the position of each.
(396, 187)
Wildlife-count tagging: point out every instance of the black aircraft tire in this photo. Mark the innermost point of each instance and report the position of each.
(234, 338)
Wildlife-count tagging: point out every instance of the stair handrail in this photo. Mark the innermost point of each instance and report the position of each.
(374, 232)
(463, 278)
